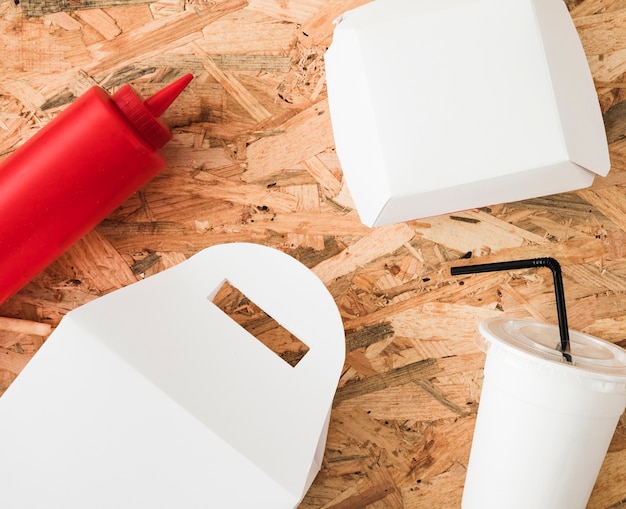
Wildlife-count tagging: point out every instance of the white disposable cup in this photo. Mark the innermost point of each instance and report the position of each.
(544, 425)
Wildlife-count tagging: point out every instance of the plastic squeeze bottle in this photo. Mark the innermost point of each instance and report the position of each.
(74, 172)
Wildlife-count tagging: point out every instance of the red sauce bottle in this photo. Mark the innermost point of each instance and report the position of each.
(74, 172)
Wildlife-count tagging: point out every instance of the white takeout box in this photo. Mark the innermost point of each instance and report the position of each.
(443, 105)
(152, 397)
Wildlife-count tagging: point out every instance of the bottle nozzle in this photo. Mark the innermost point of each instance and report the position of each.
(144, 115)
(157, 104)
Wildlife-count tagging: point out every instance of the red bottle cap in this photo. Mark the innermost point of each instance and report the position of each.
(144, 115)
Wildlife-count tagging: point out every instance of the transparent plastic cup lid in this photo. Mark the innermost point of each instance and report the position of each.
(542, 340)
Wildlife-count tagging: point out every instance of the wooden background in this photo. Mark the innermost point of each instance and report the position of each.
(252, 159)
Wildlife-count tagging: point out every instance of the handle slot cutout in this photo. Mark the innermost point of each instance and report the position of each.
(263, 327)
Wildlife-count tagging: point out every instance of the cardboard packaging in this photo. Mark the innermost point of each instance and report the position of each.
(153, 397)
(441, 106)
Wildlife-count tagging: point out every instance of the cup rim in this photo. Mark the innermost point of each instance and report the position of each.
(591, 356)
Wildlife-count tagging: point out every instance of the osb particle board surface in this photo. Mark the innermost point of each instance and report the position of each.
(252, 159)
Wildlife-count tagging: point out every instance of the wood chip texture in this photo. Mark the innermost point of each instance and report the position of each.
(252, 159)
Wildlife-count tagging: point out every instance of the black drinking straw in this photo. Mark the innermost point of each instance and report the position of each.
(554, 266)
